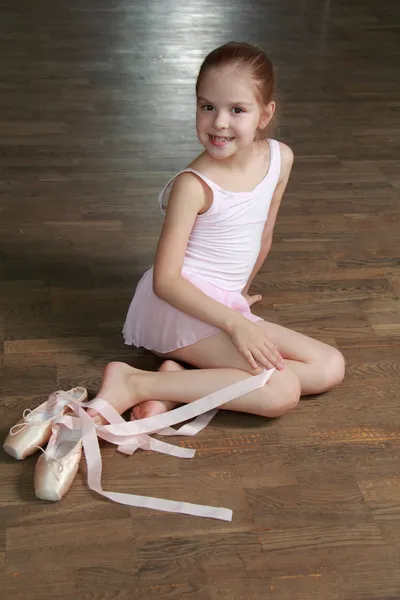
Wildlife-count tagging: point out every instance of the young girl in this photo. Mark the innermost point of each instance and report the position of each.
(194, 304)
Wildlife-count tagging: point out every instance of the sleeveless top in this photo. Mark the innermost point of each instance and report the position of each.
(225, 241)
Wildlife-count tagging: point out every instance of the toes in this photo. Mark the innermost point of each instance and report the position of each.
(167, 365)
(171, 365)
(96, 417)
(136, 413)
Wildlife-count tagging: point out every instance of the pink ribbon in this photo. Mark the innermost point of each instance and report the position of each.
(129, 436)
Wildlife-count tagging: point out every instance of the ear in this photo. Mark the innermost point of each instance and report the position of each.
(266, 115)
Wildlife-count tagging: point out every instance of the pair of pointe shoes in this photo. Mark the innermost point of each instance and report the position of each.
(50, 424)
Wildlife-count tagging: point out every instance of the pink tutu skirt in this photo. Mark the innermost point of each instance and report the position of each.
(154, 324)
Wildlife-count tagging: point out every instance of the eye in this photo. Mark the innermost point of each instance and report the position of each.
(237, 110)
(207, 107)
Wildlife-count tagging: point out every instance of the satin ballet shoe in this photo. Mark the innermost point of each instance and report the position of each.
(57, 467)
(34, 429)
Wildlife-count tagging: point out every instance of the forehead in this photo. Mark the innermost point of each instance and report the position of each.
(228, 84)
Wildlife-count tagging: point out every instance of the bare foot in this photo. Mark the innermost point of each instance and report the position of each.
(118, 388)
(149, 408)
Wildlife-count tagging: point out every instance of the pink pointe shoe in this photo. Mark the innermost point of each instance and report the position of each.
(57, 467)
(35, 428)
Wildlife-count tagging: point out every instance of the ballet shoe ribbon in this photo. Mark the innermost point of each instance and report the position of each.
(56, 402)
(188, 411)
(193, 428)
(138, 441)
(133, 435)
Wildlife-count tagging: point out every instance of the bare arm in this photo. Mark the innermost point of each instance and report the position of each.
(189, 196)
(287, 162)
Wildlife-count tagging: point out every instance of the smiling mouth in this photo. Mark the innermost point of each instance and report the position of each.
(220, 140)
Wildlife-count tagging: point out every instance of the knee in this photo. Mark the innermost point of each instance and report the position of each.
(333, 369)
(286, 395)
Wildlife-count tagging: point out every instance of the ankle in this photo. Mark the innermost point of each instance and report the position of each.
(141, 385)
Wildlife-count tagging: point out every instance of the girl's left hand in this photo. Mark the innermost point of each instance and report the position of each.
(252, 299)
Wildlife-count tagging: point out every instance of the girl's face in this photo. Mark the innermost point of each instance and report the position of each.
(228, 113)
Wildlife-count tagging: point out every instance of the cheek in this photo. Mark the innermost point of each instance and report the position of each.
(247, 126)
(202, 121)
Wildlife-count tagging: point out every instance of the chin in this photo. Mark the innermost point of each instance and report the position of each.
(217, 156)
(220, 153)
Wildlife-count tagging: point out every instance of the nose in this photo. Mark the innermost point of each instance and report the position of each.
(221, 120)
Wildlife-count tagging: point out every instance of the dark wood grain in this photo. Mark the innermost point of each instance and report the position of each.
(96, 114)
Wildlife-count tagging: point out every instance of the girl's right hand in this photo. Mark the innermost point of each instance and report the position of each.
(249, 339)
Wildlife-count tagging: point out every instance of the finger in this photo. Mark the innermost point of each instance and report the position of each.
(274, 350)
(254, 299)
(274, 357)
(262, 359)
(250, 359)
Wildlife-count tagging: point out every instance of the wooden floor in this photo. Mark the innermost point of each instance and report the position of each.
(96, 113)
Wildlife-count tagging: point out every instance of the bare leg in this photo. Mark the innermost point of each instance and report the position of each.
(312, 367)
(125, 387)
(157, 407)
(318, 366)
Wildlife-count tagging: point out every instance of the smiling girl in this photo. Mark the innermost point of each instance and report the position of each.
(194, 305)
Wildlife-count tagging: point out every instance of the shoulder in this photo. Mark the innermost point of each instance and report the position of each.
(190, 183)
(287, 155)
(189, 188)
(287, 158)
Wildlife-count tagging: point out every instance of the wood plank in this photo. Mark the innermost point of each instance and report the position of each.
(96, 114)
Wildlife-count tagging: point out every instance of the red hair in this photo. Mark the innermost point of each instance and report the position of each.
(241, 54)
